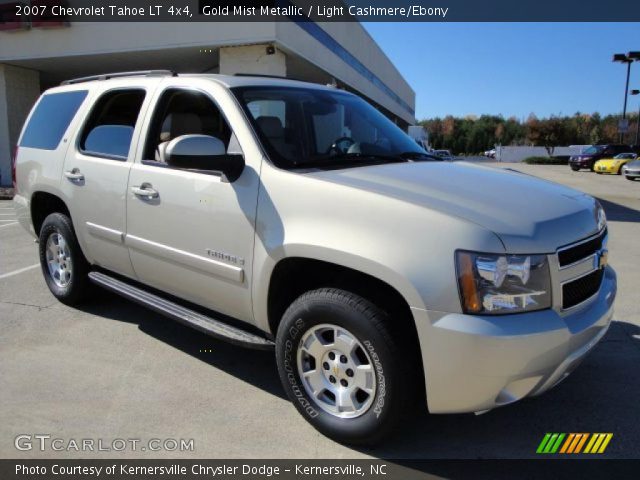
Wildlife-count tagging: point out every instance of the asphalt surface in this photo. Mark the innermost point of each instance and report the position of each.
(115, 370)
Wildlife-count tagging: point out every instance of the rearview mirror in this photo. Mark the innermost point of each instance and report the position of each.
(204, 153)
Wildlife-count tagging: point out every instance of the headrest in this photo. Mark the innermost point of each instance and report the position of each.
(271, 126)
(177, 124)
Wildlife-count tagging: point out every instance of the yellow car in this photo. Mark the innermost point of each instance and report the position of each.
(614, 165)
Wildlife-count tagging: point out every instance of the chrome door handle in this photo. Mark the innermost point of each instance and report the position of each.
(74, 175)
(145, 191)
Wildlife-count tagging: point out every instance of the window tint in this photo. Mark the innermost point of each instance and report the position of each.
(186, 112)
(109, 130)
(51, 119)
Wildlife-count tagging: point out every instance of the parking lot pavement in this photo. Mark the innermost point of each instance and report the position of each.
(115, 370)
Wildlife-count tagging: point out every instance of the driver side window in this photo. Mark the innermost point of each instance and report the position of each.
(185, 112)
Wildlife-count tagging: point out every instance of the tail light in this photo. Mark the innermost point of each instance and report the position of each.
(13, 166)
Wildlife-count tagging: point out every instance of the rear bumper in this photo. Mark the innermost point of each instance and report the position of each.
(476, 363)
(23, 213)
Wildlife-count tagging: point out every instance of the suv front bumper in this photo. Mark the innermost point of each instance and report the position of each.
(474, 363)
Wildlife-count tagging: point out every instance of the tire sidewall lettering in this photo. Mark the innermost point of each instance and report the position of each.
(290, 369)
(382, 387)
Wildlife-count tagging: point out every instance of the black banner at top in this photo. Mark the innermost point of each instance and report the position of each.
(43, 13)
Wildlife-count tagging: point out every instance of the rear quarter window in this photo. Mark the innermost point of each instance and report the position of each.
(51, 119)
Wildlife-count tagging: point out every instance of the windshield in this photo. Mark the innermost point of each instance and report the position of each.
(625, 155)
(593, 150)
(305, 127)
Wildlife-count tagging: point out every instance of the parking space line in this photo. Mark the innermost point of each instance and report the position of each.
(8, 224)
(21, 270)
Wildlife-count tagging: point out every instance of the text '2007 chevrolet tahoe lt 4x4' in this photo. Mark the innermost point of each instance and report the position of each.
(281, 214)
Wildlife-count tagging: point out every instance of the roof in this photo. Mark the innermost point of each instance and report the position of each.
(229, 81)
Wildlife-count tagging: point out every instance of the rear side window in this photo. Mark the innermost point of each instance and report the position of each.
(109, 129)
(51, 119)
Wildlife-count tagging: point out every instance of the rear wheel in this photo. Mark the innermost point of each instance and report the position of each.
(342, 367)
(63, 265)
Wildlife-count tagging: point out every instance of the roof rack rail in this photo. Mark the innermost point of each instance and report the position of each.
(107, 76)
(262, 75)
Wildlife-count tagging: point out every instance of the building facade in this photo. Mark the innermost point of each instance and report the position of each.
(33, 59)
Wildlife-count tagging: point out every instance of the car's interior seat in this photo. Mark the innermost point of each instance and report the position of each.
(175, 125)
(273, 129)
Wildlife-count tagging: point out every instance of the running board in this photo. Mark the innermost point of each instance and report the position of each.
(181, 314)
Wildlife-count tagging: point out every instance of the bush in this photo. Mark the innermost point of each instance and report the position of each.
(563, 160)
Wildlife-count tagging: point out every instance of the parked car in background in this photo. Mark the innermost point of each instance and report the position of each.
(614, 165)
(443, 154)
(591, 155)
(490, 153)
(632, 170)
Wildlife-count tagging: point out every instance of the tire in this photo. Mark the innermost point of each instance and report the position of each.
(575, 169)
(619, 172)
(320, 314)
(599, 173)
(66, 272)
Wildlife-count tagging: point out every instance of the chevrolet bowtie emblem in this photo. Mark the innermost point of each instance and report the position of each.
(602, 258)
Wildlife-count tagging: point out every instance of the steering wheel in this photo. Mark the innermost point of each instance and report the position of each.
(336, 148)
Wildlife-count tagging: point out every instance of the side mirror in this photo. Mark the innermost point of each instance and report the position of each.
(205, 153)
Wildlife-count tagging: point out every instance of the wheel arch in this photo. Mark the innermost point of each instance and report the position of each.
(43, 204)
(293, 276)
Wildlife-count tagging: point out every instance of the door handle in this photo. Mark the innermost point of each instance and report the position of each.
(145, 191)
(74, 175)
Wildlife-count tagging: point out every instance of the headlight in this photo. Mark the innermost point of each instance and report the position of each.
(497, 284)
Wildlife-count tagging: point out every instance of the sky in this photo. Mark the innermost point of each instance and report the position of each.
(512, 69)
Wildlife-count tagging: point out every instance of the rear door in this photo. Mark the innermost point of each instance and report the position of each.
(192, 233)
(96, 172)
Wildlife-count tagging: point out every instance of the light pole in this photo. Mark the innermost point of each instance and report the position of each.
(628, 59)
(636, 92)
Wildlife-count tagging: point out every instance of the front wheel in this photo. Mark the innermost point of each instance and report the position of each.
(341, 366)
(63, 265)
(575, 169)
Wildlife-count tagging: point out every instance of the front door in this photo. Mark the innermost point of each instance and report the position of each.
(191, 233)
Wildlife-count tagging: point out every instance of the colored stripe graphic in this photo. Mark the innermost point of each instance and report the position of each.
(574, 443)
(543, 443)
(550, 443)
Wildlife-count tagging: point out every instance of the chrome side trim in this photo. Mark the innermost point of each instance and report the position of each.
(206, 265)
(105, 233)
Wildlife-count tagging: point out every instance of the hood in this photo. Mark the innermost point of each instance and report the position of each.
(528, 214)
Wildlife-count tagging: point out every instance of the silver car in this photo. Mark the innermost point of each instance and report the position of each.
(294, 217)
(631, 170)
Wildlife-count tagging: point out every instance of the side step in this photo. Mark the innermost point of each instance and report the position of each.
(165, 307)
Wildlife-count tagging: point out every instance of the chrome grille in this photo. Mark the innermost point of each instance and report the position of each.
(581, 273)
(581, 289)
(574, 253)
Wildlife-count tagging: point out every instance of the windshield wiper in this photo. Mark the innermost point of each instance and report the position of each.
(419, 156)
(347, 159)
